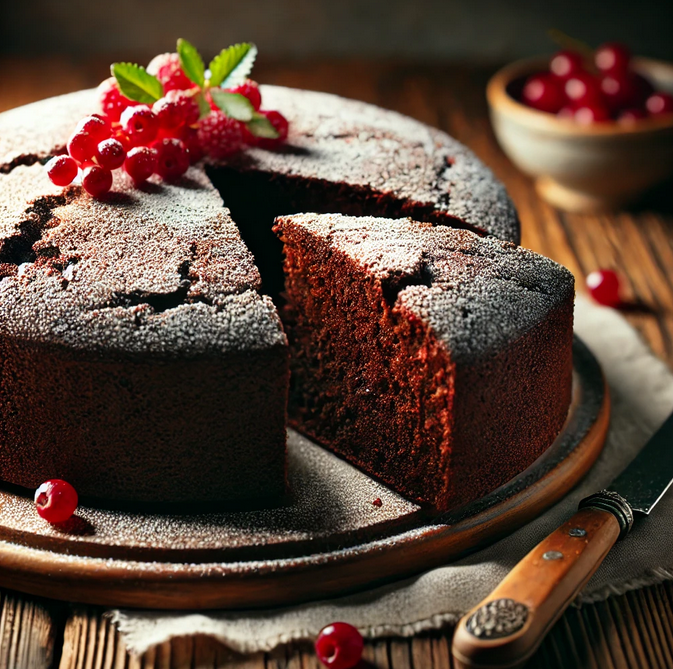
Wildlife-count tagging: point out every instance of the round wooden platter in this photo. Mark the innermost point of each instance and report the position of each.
(326, 539)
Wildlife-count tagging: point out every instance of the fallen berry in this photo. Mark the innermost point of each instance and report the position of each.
(339, 646)
(603, 285)
(62, 170)
(56, 501)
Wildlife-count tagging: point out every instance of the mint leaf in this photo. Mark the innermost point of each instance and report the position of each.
(235, 105)
(260, 126)
(204, 106)
(191, 62)
(137, 84)
(232, 65)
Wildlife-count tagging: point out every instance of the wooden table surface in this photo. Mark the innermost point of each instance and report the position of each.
(630, 631)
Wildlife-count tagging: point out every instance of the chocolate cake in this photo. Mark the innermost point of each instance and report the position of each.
(435, 360)
(141, 357)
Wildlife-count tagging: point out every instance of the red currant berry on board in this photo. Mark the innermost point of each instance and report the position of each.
(659, 104)
(62, 170)
(111, 100)
(566, 63)
(82, 146)
(140, 124)
(95, 125)
(544, 93)
(110, 154)
(603, 285)
(172, 159)
(280, 123)
(582, 89)
(96, 180)
(591, 113)
(140, 163)
(612, 57)
(339, 646)
(219, 135)
(631, 116)
(167, 69)
(250, 89)
(56, 501)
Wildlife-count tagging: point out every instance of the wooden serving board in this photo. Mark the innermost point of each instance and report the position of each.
(329, 537)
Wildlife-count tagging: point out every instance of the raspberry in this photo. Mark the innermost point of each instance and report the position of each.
(140, 124)
(172, 159)
(56, 501)
(167, 69)
(280, 123)
(219, 135)
(250, 89)
(140, 163)
(190, 138)
(61, 170)
(95, 125)
(111, 101)
(339, 646)
(110, 154)
(176, 109)
(96, 180)
(82, 146)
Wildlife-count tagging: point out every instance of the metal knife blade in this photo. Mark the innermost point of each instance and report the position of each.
(645, 481)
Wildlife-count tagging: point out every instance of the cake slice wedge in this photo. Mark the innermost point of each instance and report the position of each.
(435, 360)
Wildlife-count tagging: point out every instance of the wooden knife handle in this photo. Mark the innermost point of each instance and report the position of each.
(506, 628)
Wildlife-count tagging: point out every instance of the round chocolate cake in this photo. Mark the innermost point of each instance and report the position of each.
(142, 356)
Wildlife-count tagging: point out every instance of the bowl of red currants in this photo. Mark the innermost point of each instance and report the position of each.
(594, 128)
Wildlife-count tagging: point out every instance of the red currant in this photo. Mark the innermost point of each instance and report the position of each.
(250, 90)
(612, 57)
(172, 159)
(339, 646)
(543, 92)
(659, 103)
(565, 64)
(56, 501)
(591, 113)
(140, 163)
(190, 138)
(96, 180)
(280, 123)
(630, 116)
(620, 90)
(110, 154)
(603, 285)
(82, 146)
(95, 125)
(582, 89)
(61, 170)
(176, 109)
(140, 124)
(111, 100)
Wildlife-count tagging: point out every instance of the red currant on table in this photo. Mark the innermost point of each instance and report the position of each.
(96, 180)
(612, 57)
(56, 501)
(565, 64)
(250, 90)
(82, 146)
(339, 646)
(140, 163)
(603, 285)
(111, 100)
(62, 170)
(140, 124)
(582, 89)
(110, 154)
(659, 103)
(167, 69)
(544, 93)
(172, 159)
(280, 123)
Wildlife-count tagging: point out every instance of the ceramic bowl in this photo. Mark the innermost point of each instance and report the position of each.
(582, 168)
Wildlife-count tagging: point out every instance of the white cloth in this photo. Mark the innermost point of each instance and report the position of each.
(642, 397)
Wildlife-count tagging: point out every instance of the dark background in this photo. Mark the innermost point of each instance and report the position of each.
(484, 31)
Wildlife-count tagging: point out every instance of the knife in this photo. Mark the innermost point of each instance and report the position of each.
(506, 628)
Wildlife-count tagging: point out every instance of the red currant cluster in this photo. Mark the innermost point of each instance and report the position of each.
(183, 123)
(605, 90)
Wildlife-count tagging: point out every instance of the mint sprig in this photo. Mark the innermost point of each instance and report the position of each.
(136, 83)
(235, 105)
(260, 126)
(191, 62)
(232, 65)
